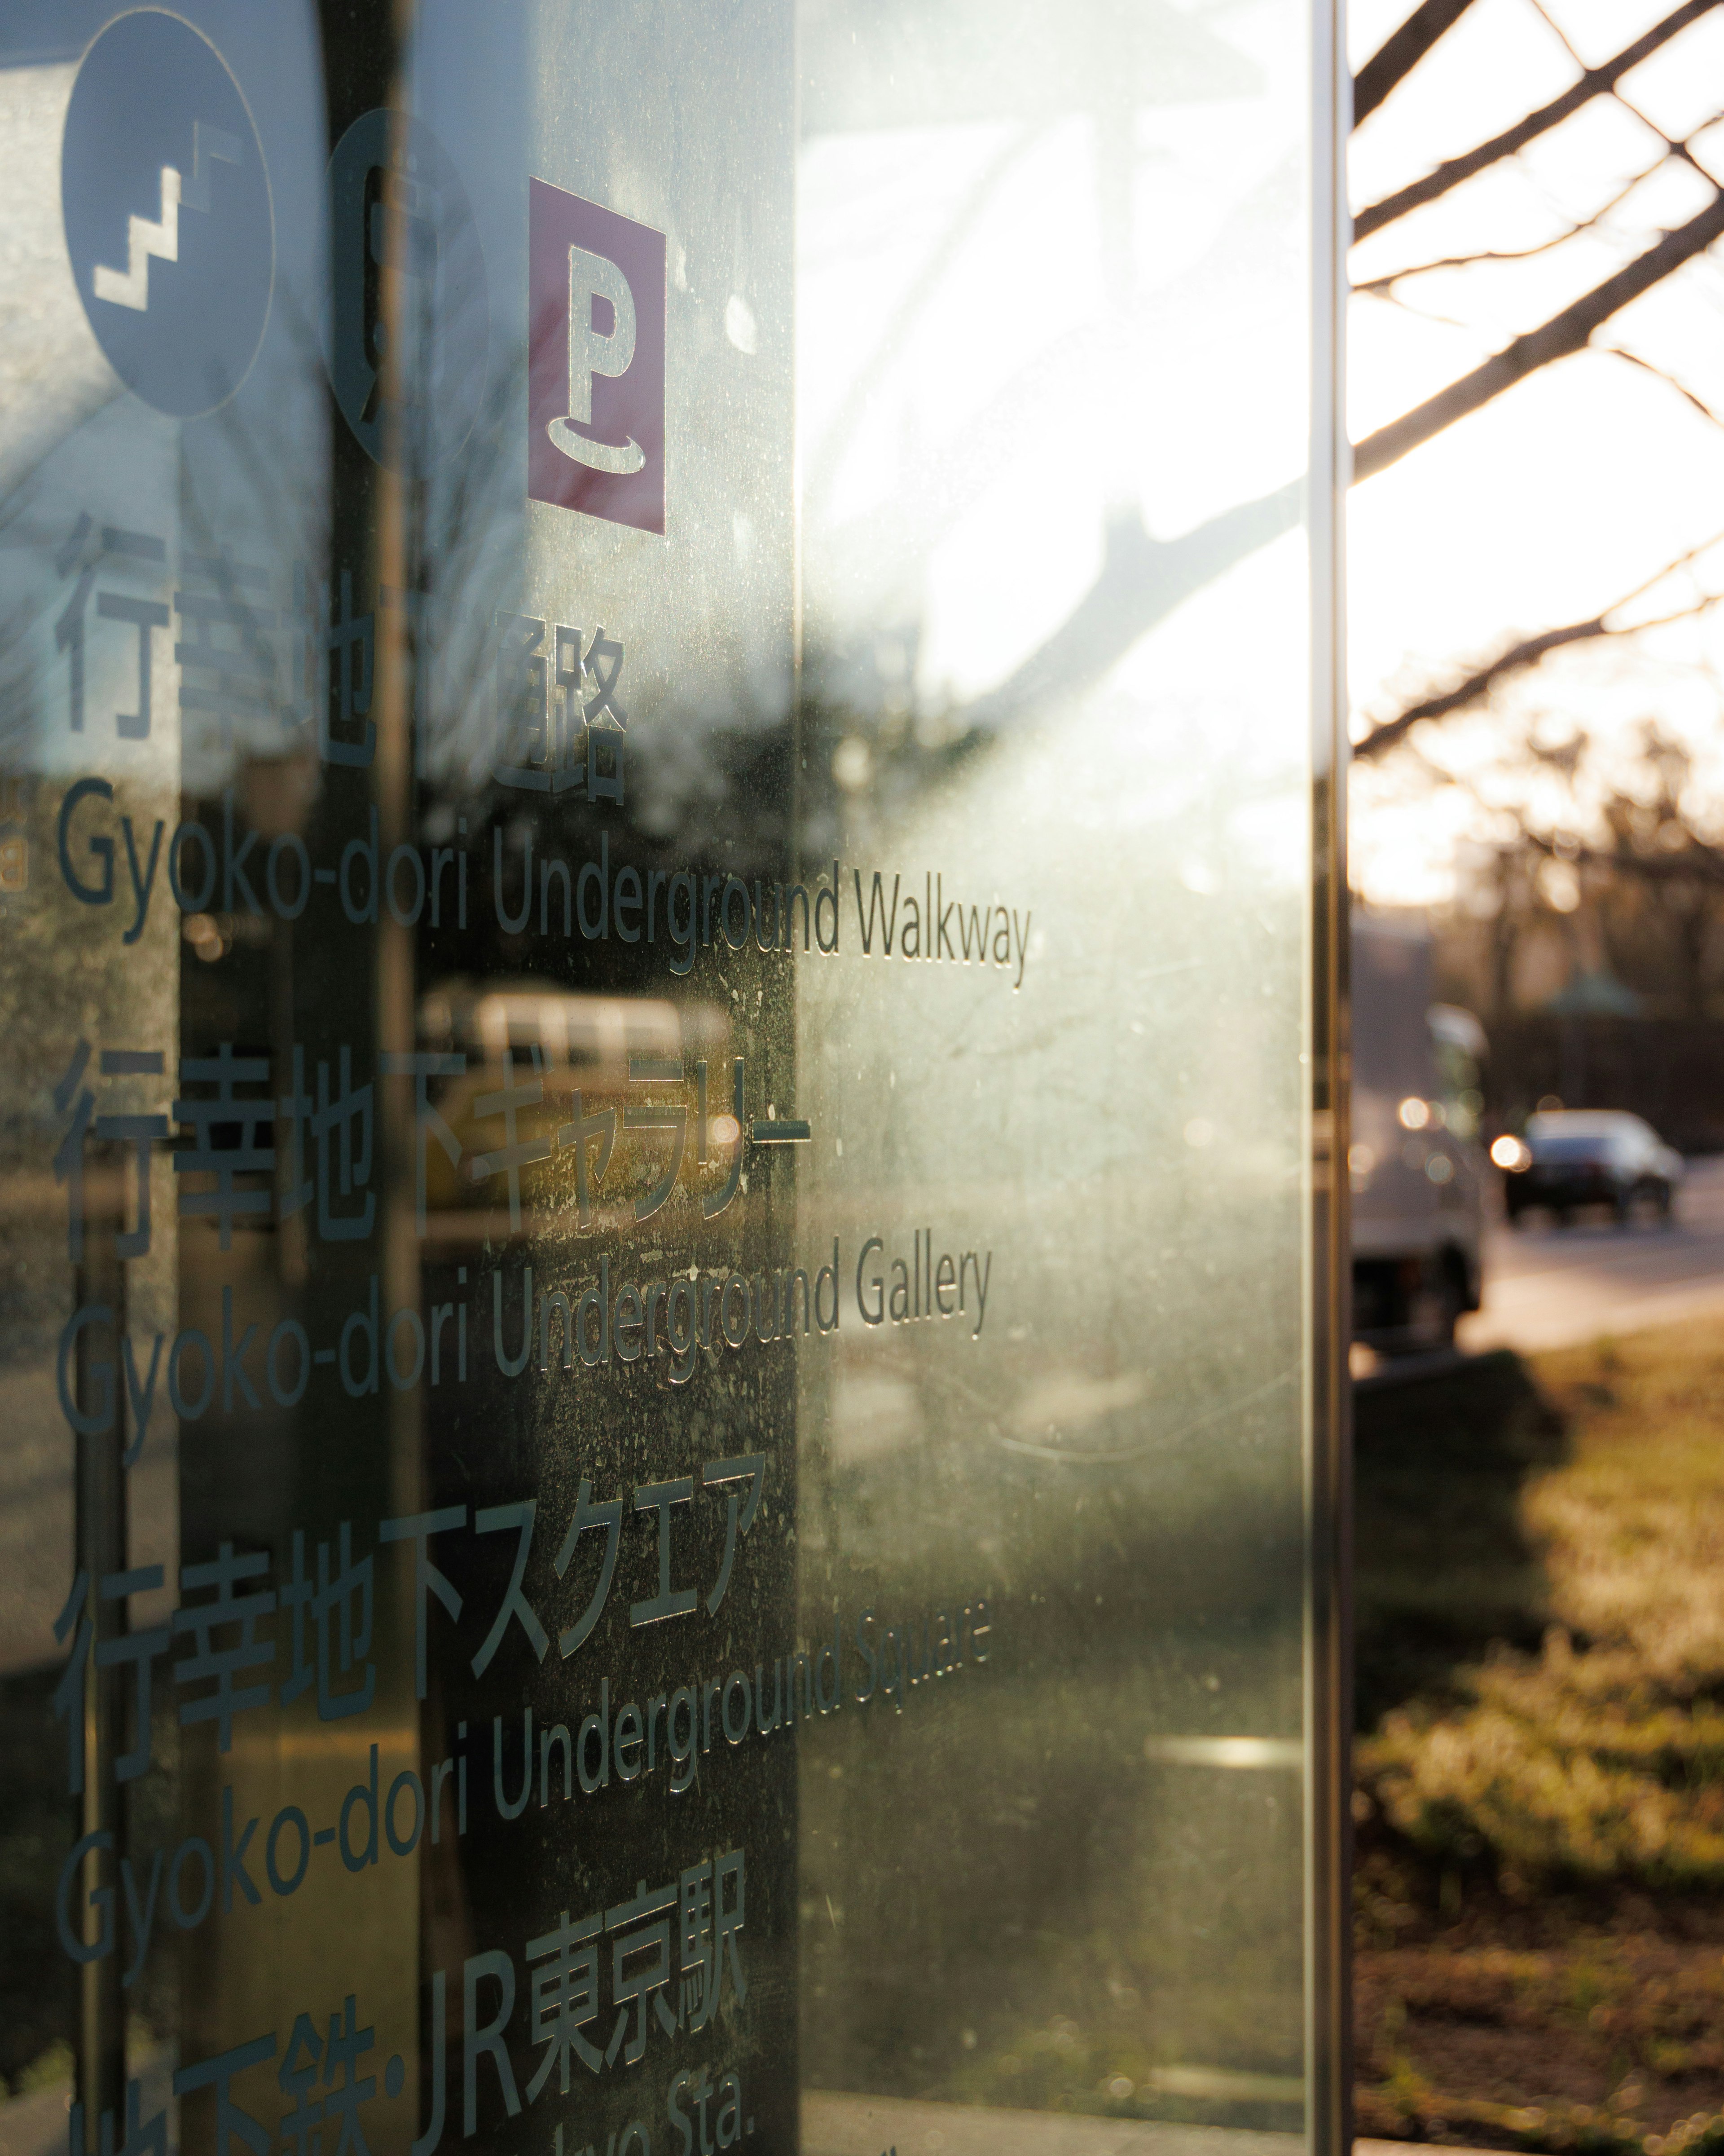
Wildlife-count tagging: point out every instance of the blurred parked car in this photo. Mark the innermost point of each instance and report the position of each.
(540, 1062)
(1573, 1156)
(1416, 1168)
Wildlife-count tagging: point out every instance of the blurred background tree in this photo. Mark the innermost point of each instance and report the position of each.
(1537, 556)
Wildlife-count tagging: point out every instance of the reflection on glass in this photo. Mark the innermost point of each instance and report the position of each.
(654, 850)
(1029, 295)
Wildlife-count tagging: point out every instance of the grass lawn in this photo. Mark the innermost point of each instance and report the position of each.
(1540, 1772)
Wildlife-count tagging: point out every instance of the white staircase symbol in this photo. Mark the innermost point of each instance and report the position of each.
(129, 287)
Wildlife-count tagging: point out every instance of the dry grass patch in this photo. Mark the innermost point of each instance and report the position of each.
(1541, 1882)
(1599, 1757)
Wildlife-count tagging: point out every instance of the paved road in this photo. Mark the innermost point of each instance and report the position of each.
(1547, 1287)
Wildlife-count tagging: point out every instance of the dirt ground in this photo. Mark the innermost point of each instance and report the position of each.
(1553, 2025)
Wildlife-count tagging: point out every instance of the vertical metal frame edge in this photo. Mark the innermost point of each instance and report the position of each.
(1328, 1673)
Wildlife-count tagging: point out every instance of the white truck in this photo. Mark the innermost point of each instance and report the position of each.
(1416, 1168)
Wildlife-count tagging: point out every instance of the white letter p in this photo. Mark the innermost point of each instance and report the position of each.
(594, 351)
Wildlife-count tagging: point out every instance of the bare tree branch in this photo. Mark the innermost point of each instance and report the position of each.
(1517, 657)
(1594, 83)
(1400, 53)
(1379, 287)
(1678, 149)
(1564, 334)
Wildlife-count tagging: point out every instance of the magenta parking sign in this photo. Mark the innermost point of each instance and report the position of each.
(595, 360)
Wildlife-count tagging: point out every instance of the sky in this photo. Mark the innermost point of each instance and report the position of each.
(1575, 487)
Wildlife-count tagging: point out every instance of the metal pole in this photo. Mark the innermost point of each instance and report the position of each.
(100, 1533)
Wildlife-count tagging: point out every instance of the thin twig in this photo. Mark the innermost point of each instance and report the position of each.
(1375, 287)
(1681, 389)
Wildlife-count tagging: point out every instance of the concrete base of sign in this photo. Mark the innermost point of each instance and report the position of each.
(834, 2125)
(837, 2125)
(1400, 2147)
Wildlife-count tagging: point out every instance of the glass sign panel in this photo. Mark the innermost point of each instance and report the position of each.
(662, 1229)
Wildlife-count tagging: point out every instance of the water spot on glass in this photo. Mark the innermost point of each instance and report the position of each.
(740, 326)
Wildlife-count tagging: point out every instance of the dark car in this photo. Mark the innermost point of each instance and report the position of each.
(1570, 1157)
